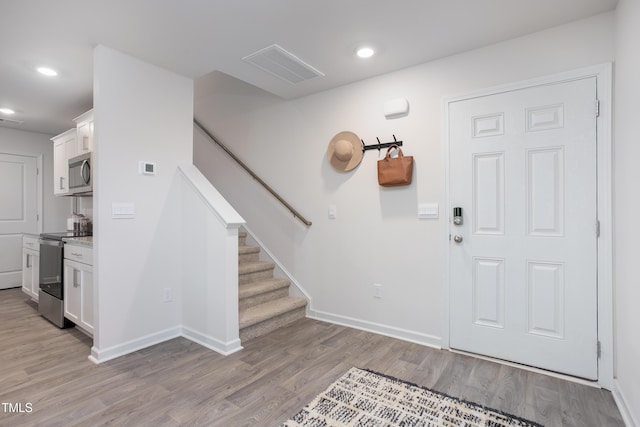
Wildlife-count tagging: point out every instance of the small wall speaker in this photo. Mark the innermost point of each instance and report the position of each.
(396, 108)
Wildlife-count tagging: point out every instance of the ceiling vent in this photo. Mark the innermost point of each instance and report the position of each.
(10, 121)
(280, 63)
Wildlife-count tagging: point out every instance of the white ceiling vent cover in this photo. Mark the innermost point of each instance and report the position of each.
(277, 61)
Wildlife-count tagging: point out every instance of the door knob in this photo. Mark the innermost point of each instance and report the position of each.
(457, 238)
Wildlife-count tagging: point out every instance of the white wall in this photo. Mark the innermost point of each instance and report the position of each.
(55, 209)
(377, 237)
(141, 112)
(627, 205)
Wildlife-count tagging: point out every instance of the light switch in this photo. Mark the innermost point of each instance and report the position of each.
(428, 211)
(332, 212)
(123, 210)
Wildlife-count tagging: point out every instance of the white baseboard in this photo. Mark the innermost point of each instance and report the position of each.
(212, 343)
(623, 407)
(102, 355)
(11, 279)
(226, 348)
(377, 328)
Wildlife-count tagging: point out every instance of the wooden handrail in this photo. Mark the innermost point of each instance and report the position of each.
(253, 175)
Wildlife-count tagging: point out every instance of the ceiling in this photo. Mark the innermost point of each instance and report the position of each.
(195, 37)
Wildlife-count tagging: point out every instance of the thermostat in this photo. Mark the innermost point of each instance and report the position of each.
(147, 168)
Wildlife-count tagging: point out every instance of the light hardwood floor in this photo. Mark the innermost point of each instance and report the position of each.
(181, 383)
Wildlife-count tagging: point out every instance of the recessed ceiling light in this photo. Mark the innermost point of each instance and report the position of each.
(365, 52)
(7, 111)
(47, 71)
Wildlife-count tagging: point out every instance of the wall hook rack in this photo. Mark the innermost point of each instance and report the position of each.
(381, 145)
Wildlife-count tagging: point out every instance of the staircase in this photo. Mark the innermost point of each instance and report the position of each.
(264, 301)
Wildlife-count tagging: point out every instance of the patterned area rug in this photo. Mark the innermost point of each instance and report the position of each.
(365, 398)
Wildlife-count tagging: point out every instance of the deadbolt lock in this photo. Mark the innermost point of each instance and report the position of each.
(457, 216)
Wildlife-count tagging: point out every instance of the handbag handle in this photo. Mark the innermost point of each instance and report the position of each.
(400, 154)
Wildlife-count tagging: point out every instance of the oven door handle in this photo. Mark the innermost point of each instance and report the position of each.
(51, 242)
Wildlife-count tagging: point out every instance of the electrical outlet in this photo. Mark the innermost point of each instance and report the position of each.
(377, 290)
(167, 295)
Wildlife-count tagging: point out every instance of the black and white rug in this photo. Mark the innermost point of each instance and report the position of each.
(366, 398)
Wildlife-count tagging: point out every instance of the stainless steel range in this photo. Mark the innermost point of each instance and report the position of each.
(51, 293)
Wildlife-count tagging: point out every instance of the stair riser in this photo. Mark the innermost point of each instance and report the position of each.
(256, 275)
(264, 297)
(272, 324)
(242, 240)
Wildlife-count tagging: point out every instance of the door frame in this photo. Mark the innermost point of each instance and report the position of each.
(603, 74)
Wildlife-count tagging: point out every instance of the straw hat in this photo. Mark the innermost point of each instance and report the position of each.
(345, 151)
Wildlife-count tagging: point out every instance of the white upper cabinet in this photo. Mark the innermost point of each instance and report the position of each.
(67, 145)
(64, 146)
(84, 131)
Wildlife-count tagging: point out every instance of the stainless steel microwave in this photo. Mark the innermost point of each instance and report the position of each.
(80, 174)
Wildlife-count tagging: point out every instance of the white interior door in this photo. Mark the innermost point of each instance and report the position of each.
(18, 213)
(523, 279)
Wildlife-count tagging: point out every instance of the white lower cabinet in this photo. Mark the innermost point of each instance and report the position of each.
(30, 272)
(30, 266)
(78, 288)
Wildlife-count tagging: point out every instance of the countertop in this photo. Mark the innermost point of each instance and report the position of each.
(79, 241)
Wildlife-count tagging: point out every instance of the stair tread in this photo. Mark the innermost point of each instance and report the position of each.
(246, 249)
(261, 312)
(261, 286)
(254, 266)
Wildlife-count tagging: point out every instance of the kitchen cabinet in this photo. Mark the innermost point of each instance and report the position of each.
(67, 145)
(78, 286)
(60, 172)
(84, 132)
(64, 146)
(31, 266)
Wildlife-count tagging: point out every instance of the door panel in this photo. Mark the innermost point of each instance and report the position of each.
(545, 189)
(523, 277)
(488, 193)
(18, 213)
(488, 292)
(545, 285)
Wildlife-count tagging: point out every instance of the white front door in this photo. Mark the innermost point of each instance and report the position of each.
(523, 279)
(18, 213)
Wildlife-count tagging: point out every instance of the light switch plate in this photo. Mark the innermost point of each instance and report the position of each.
(123, 210)
(428, 211)
(332, 212)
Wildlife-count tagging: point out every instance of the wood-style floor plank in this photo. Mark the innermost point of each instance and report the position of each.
(180, 383)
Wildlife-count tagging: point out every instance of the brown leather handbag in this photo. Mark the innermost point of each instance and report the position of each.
(394, 171)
